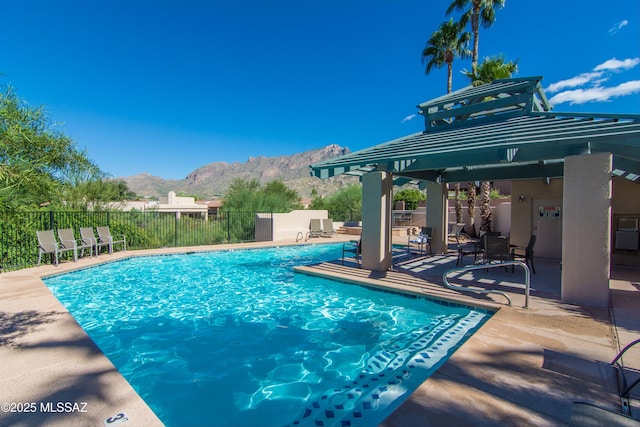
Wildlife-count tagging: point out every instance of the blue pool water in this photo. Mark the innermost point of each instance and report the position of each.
(235, 338)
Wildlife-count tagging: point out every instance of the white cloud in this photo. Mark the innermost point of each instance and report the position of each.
(596, 94)
(409, 117)
(614, 64)
(618, 26)
(578, 80)
(588, 87)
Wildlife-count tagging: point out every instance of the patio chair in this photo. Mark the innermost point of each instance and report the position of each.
(89, 238)
(47, 244)
(495, 248)
(106, 238)
(354, 247)
(474, 247)
(456, 230)
(327, 228)
(525, 253)
(422, 239)
(315, 228)
(69, 242)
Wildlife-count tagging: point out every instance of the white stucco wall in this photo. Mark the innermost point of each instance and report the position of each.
(286, 226)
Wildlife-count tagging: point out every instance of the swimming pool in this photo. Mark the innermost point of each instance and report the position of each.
(236, 338)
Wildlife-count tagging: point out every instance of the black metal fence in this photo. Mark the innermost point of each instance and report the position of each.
(143, 230)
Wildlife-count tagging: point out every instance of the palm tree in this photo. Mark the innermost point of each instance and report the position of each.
(489, 70)
(476, 12)
(448, 42)
(444, 45)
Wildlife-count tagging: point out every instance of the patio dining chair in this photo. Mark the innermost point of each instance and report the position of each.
(69, 242)
(495, 248)
(475, 248)
(422, 239)
(525, 253)
(106, 238)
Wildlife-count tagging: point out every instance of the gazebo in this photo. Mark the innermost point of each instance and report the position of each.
(576, 177)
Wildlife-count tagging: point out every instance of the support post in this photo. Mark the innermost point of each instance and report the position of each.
(437, 213)
(377, 200)
(586, 225)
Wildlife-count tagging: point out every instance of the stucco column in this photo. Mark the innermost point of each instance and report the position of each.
(586, 229)
(437, 213)
(377, 199)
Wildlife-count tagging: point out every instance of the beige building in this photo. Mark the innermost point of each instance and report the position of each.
(181, 206)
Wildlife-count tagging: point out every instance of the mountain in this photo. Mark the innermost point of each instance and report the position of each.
(213, 179)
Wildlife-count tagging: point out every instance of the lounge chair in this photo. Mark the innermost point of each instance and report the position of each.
(106, 238)
(89, 238)
(456, 230)
(354, 247)
(47, 244)
(315, 228)
(327, 228)
(525, 253)
(69, 242)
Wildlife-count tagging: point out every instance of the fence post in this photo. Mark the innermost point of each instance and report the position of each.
(175, 244)
(52, 221)
(228, 227)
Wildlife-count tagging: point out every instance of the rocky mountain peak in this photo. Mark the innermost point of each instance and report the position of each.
(214, 178)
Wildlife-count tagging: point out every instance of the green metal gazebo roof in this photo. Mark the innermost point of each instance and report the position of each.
(499, 131)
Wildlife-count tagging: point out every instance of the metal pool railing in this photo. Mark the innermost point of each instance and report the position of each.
(527, 279)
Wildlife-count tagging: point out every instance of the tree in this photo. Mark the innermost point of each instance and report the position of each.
(476, 12)
(445, 44)
(411, 197)
(249, 195)
(36, 161)
(344, 205)
(492, 68)
(489, 70)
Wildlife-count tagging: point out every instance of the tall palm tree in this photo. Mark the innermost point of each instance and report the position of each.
(445, 44)
(476, 12)
(489, 70)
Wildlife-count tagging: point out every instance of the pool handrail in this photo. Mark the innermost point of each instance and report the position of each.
(527, 279)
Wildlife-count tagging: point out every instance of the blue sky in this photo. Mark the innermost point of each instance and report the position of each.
(165, 87)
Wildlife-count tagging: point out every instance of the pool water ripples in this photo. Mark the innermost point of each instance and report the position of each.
(236, 338)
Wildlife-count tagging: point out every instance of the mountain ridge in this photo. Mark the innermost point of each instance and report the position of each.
(213, 179)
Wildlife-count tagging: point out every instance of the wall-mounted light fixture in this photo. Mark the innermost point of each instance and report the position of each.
(521, 198)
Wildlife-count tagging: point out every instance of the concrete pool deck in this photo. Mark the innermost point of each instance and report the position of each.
(523, 367)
